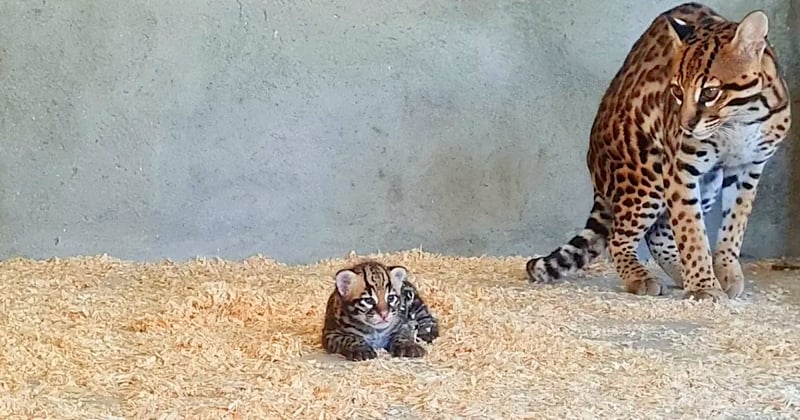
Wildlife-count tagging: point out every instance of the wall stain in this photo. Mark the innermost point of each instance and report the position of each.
(792, 73)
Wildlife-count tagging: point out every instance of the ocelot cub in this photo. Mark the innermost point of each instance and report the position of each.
(376, 307)
(696, 111)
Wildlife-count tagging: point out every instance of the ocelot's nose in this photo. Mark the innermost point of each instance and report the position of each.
(689, 120)
(383, 310)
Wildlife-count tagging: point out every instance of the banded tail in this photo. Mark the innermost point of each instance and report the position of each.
(578, 252)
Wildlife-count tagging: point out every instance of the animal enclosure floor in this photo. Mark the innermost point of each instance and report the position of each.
(94, 338)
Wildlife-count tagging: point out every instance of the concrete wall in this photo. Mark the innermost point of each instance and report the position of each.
(302, 130)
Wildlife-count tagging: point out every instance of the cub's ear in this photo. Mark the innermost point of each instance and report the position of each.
(680, 29)
(397, 275)
(752, 32)
(345, 280)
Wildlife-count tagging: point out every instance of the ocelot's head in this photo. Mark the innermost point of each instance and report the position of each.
(718, 71)
(370, 292)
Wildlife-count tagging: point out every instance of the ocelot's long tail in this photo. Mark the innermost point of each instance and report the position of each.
(579, 251)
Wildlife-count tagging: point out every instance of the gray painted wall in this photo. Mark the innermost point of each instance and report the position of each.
(303, 130)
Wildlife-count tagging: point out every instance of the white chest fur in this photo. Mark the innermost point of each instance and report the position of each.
(740, 144)
(731, 146)
(379, 339)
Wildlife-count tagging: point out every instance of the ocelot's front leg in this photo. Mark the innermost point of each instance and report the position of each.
(738, 193)
(661, 240)
(681, 185)
(350, 346)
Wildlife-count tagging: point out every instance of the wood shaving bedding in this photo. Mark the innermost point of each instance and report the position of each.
(99, 338)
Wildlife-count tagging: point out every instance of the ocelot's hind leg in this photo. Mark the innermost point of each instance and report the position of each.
(662, 247)
(633, 215)
(636, 278)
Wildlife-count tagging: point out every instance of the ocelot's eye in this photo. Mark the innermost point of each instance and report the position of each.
(368, 301)
(676, 91)
(391, 299)
(709, 94)
(408, 295)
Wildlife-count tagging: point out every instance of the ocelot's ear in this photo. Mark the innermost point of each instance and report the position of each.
(397, 275)
(346, 282)
(679, 29)
(751, 34)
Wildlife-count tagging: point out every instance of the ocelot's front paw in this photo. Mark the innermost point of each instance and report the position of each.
(407, 349)
(649, 286)
(428, 333)
(358, 353)
(729, 272)
(713, 295)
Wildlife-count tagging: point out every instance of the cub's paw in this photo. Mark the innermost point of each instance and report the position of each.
(729, 272)
(713, 295)
(360, 353)
(407, 349)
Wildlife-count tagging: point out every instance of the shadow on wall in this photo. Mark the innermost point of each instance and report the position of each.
(793, 77)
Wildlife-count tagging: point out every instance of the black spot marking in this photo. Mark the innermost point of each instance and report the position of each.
(643, 144)
(579, 242)
(552, 272)
(579, 260)
(657, 167)
(562, 261)
(689, 168)
(597, 227)
(728, 181)
(689, 150)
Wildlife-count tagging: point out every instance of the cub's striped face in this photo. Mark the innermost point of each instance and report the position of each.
(718, 79)
(371, 293)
